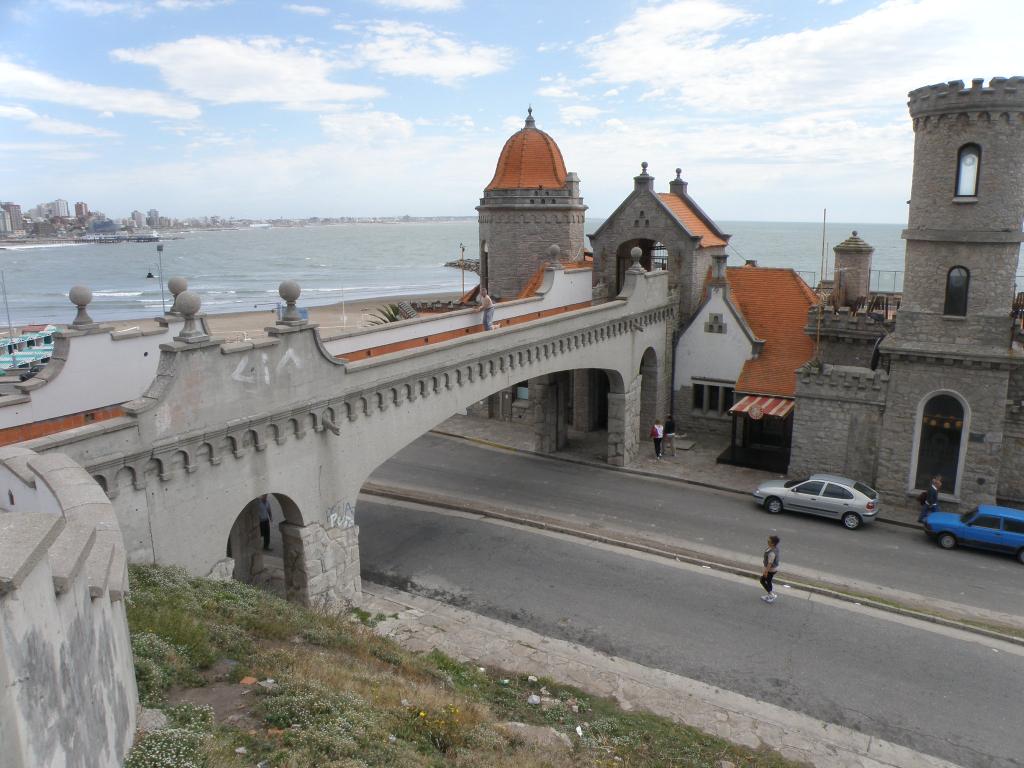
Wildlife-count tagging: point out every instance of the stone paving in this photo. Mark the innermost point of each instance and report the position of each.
(422, 624)
(694, 460)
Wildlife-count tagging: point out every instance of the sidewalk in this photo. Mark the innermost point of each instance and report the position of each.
(423, 624)
(694, 464)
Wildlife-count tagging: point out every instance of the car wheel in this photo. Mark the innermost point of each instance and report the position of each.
(947, 540)
(773, 505)
(851, 521)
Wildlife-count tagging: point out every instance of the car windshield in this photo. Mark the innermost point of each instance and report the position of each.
(867, 490)
(791, 483)
(966, 516)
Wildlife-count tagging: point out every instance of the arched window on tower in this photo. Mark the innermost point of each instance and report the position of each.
(957, 281)
(968, 168)
(939, 442)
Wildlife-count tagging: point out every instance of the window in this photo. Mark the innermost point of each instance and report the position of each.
(986, 521)
(833, 491)
(714, 324)
(867, 490)
(938, 452)
(659, 255)
(1013, 526)
(967, 170)
(957, 281)
(813, 488)
(712, 399)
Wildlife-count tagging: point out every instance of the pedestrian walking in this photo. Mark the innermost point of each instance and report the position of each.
(487, 305)
(930, 500)
(670, 435)
(265, 516)
(658, 435)
(771, 560)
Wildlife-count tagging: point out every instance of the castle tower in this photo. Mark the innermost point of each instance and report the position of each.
(530, 204)
(853, 270)
(951, 359)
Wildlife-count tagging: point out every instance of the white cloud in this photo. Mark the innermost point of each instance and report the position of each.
(559, 87)
(46, 124)
(47, 151)
(416, 49)
(95, 7)
(423, 5)
(578, 114)
(308, 10)
(344, 27)
(233, 71)
(367, 128)
(21, 82)
(869, 59)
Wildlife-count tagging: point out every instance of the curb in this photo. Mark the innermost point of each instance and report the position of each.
(627, 470)
(547, 524)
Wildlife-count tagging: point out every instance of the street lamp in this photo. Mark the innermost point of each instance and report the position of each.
(160, 272)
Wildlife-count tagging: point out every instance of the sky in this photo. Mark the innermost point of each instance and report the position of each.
(773, 110)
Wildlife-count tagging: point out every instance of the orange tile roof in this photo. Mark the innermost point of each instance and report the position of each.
(529, 159)
(689, 219)
(774, 303)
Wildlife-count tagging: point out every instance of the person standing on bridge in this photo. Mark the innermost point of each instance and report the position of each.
(487, 305)
(771, 561)
(657, 434)
(265, 516)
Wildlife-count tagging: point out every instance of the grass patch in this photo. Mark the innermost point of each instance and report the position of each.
(345, 698)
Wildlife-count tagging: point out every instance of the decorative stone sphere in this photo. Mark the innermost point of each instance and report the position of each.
(289, 290)
(554, 252)
(635, 253)
(189, 302)
(177, 285)
(643, 166)
(80, 295)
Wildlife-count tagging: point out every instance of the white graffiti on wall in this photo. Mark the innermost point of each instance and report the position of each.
(259, 373)
(341, 515)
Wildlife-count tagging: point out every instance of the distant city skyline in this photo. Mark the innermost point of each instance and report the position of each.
(774, 111)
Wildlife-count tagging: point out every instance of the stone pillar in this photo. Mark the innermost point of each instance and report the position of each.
(549, 405)
(583, 416)
(321, 565)
(623, 425)
(246, 545)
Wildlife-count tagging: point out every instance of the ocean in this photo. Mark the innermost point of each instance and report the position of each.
(238, 270)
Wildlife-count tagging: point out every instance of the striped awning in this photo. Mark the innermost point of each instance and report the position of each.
(758, 406)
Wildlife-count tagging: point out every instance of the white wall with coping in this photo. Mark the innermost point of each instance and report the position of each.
(89, 369)
(560, 288)
(715, 356)
(68, 697)
(224, 423)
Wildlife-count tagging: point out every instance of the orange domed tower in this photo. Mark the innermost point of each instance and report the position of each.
(530, 204)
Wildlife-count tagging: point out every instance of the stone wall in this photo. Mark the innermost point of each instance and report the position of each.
(67, 678)
(982, 387)
(1011, 473)
(845, 338)
(624, 411)
(837, 421)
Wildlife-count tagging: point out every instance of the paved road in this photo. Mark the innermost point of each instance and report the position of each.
(934, 690)
(898, 557)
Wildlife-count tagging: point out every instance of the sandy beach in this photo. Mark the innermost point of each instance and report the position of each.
(332, 319)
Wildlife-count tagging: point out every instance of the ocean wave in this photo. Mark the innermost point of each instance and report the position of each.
(116, 294)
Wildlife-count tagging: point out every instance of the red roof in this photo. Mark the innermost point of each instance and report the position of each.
(688, 218)
(529, 159)
(774, 303)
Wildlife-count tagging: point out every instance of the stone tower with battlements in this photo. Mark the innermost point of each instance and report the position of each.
(529, 205)
(951, 358)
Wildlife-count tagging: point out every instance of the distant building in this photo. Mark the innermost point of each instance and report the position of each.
(82, 211)
(102, 226)
(5, 223)
(17, 223)
(43, 228)
(60, 209)
(153, 217)
(138, 219)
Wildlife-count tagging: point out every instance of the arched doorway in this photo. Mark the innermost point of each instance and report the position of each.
(648, 392)
(941, 425)
(623, 259)
(258, 550)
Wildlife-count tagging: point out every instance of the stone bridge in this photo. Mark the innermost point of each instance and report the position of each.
(223, 423)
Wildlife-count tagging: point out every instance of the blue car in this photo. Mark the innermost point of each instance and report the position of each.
(1000, 529)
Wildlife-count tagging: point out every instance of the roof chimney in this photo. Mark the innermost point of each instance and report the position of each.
(677, 186)
(644, 180)
(718, 268)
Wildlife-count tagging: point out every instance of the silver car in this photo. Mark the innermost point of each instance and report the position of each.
(841, 498)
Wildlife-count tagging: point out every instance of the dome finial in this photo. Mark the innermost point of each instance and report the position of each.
(530, 122)
(679, 173)
(643, 168)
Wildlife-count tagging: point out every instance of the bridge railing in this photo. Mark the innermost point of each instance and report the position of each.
(561, 290)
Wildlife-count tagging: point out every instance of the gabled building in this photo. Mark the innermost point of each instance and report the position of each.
(735, 362)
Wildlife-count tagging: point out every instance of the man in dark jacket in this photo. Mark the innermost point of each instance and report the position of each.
(931, 499)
